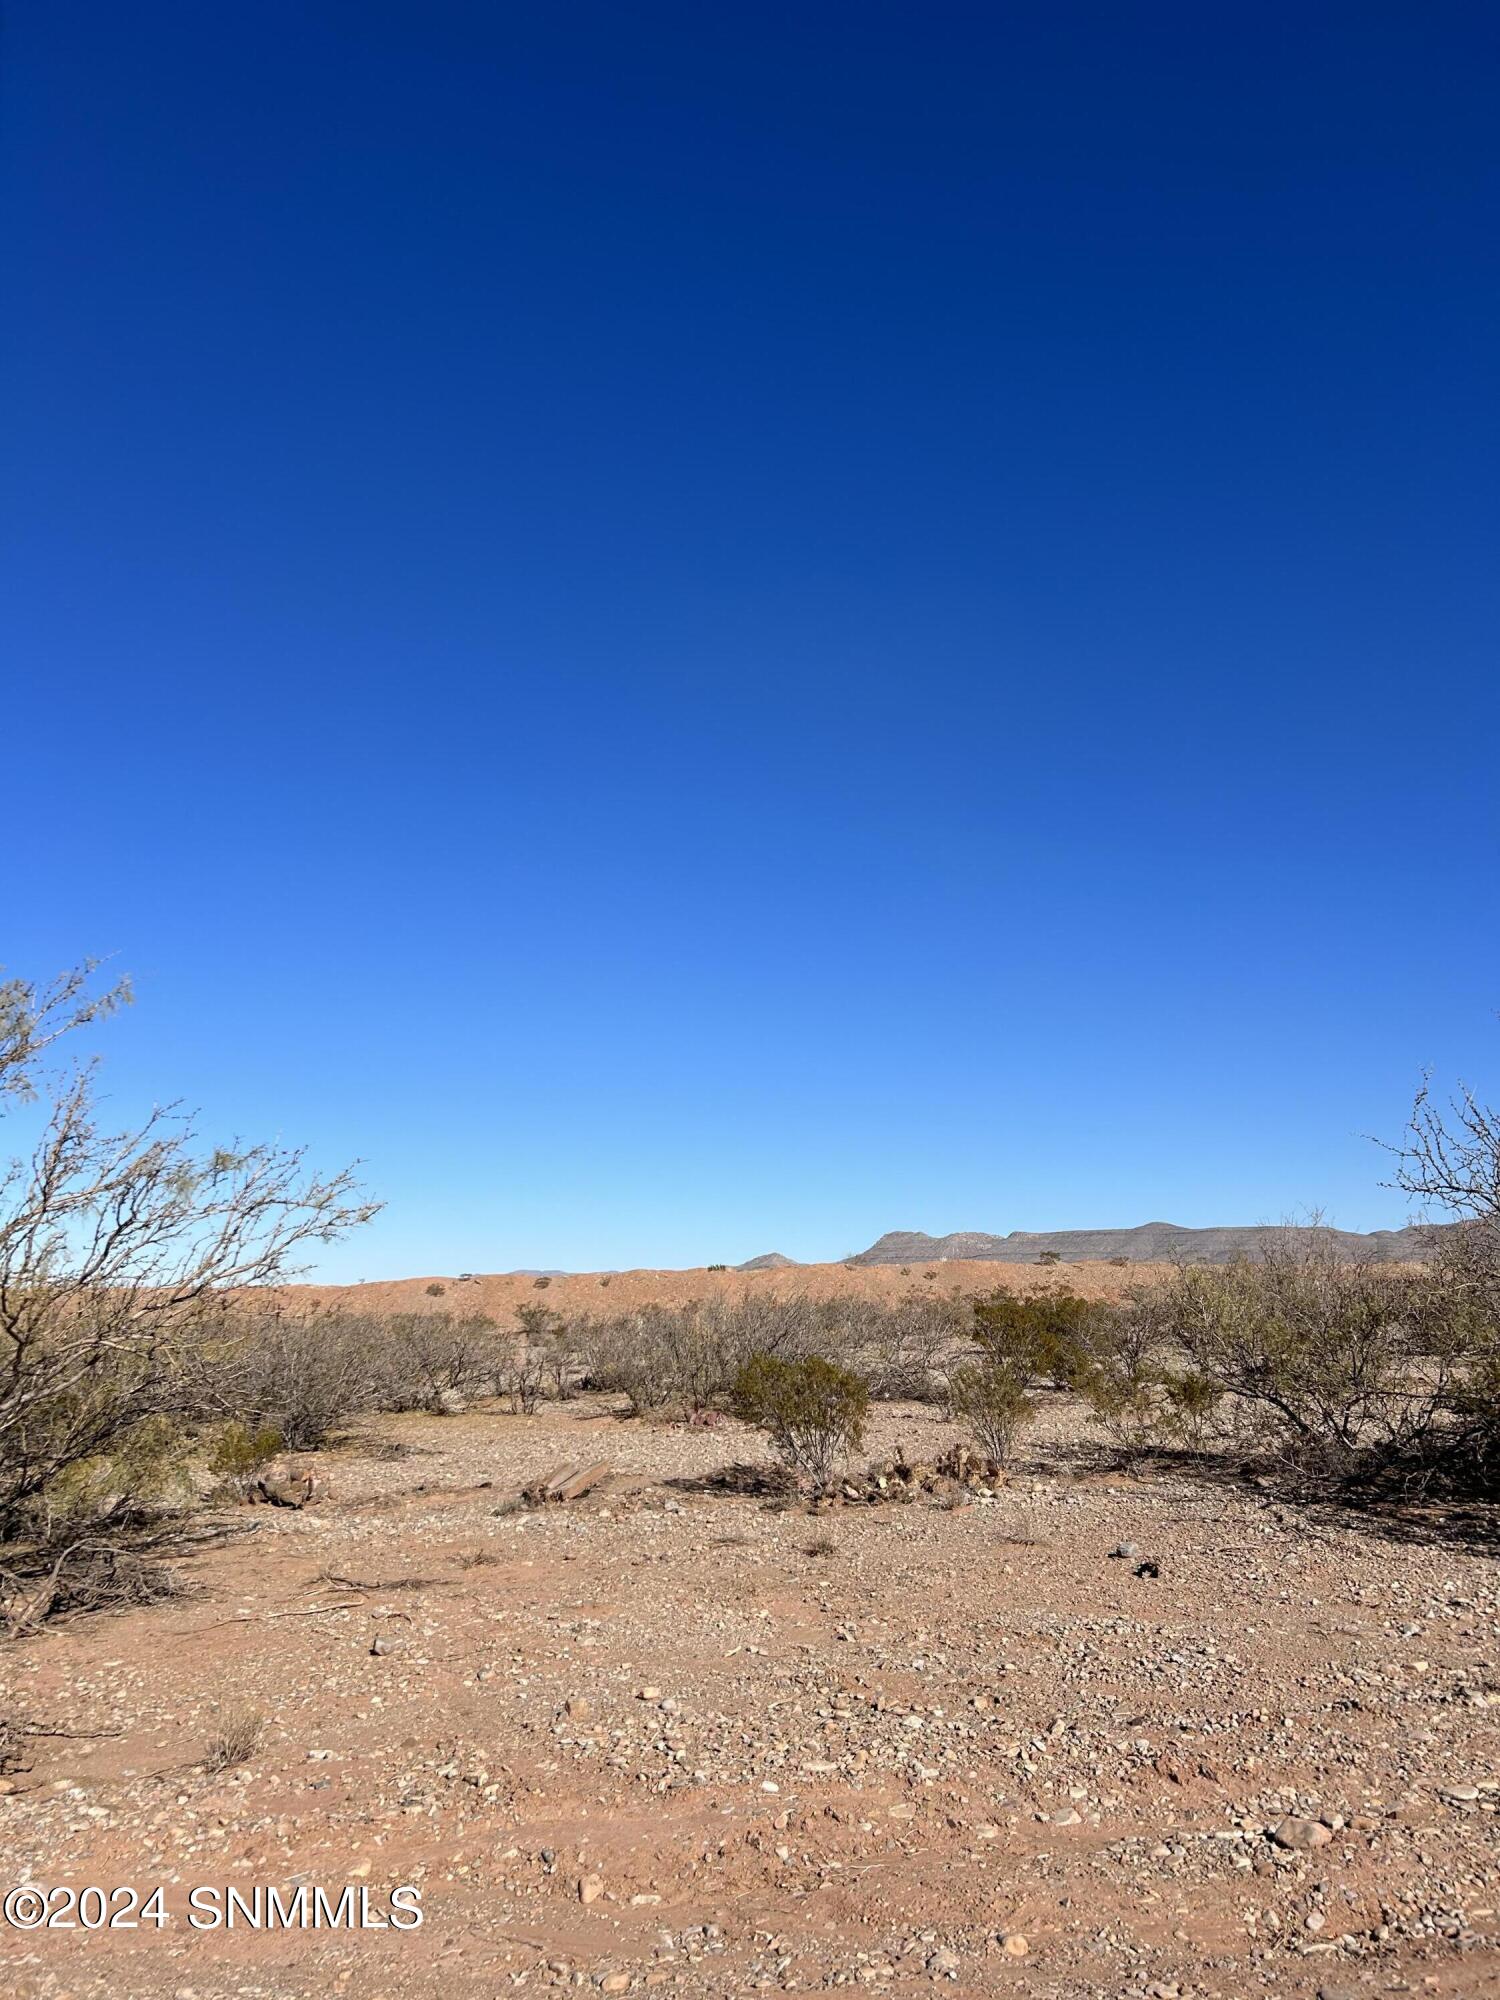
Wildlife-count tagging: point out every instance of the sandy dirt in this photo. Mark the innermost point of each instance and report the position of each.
(681, 1738)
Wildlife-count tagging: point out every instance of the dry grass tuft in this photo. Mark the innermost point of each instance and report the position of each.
(235, 1741)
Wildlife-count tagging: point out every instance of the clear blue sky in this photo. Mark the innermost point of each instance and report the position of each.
(698, 629)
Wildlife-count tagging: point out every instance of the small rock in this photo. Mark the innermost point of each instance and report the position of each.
(590, 1888)
(943, 1963)
(1299, 1835)
(1124, 1551)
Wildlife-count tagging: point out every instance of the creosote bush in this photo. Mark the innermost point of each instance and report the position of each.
(1043, 1336)
(812, 1411)
(989, 1398)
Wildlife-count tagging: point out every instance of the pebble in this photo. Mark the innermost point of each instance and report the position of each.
(1299, 1835)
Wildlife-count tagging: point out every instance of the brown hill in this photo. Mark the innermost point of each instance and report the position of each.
(605, 1293)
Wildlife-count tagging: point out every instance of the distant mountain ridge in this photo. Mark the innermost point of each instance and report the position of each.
(1147, 1243)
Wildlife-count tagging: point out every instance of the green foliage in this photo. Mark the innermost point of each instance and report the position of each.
(812, 1410)
(240, 1452)
(1124, 1401)
(1192, 1405)
(1042, 1335)
(989, 1397)
(1348, 1370)
(144, 1467)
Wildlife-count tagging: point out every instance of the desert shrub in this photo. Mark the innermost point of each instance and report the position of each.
(1124, 1402)
(899, 1348)
(633, 1356)
(812, 1411)
(1114, 1358)
(1049, 1257)
(435, 1290)
(423, 1358)
(550, 1355)
(239, 1453)
(540, 1284)
(1191, 1408)
(522, 1377)
(717, 1267)
(304, 1375)
(687, 1358)
(117, 1249)
(141, 1471)
(989, 1398)
(1347, 1369)
(1041, 1335)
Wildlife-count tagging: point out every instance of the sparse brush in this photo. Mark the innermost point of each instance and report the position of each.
(1346, 1370)
(813, 1412)
(824, 1545)
(235, 1741)
(989, 1398)
(303, 1374)
(685, 1359)
(522, 1378)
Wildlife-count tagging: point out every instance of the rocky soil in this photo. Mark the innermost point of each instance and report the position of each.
(682, 1735)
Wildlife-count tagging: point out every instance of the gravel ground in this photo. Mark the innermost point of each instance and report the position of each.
(675, 1736)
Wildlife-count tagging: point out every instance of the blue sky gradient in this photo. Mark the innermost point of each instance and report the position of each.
(697, 630)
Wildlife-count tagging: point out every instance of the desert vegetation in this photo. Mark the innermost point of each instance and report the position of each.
(151, 1353)
(988, 1616)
